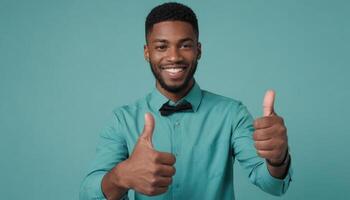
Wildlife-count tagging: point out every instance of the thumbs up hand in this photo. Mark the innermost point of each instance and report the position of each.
(270, 133)
(148, 171)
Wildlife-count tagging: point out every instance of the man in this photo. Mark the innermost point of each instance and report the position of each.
(179, 141)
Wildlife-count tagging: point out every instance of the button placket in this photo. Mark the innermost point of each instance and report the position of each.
(176, 136)
(177, 142)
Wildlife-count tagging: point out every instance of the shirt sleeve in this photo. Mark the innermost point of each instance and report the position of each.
(244, 151)
(111, 150)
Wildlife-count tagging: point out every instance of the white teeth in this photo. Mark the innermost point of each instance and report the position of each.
(174, 70)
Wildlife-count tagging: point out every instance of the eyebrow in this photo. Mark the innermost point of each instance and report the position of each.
(166, 41)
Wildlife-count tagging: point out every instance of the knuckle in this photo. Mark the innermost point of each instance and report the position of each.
(255, 135)
(174, 158)
(268, 119)
(156, 169)
(153, 169)
(153, 181)
(278, 129)
(154, 156)
(173, 171)
(281, 119)
(283, 129)
(255, 124)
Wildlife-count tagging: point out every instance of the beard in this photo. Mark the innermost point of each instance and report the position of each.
(177, 88)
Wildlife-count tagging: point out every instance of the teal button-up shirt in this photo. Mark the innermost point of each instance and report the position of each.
(206, 141)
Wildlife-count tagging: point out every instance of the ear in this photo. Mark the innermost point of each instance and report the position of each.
(146, 52)
(199, 50)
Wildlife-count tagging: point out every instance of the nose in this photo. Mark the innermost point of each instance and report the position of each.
(174, 55)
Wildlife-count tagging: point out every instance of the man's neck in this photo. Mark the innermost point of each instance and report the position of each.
(175, 96)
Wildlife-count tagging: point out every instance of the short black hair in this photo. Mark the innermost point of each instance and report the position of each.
(171, 11)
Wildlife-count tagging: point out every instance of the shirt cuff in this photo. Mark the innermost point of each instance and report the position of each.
(280, 185)
(92, 187)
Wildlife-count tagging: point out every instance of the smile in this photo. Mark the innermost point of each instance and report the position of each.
(174, 72)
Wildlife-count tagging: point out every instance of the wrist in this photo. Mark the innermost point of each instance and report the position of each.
(121, 176)
(280, 163)
(113, 186)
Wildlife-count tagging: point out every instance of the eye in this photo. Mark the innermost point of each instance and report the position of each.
(187, 46)
(161, 47)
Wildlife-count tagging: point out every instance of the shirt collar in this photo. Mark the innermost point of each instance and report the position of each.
(157, 99)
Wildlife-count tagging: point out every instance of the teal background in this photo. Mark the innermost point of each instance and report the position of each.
(64, 65)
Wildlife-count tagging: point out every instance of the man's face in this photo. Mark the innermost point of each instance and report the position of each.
(172, 51)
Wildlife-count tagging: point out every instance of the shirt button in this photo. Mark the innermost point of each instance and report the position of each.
(177, 123)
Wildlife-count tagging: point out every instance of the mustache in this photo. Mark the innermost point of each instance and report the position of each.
(174, 65)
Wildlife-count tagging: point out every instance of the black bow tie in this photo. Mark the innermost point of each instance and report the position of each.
(167, 109)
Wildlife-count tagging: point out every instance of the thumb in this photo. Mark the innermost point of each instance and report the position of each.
(269, 100)
(148, 128)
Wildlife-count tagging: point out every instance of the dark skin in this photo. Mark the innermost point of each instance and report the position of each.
(270, 136)
(174, 44)
(147, 171)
